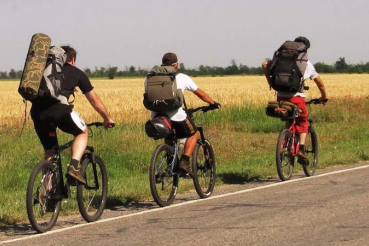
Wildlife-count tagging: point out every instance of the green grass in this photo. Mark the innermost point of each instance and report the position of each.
(243, 139)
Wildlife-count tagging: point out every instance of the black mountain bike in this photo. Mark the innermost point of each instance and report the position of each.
(46, 188)
(164, 163)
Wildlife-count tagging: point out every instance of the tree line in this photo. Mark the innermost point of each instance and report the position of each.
(340, 66)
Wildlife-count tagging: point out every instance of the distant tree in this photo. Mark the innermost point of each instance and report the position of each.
(112, 72)
(3, 75)
(341, 65)
(132, 69)
(182, 67)
(324, 68)
(12, 74)
(88, 72)
(102, 72)
(19, 73)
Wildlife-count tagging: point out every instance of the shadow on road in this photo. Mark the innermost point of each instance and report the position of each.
(240, 178)
(129, 203)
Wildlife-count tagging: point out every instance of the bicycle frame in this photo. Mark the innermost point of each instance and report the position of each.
(64, 188)
(294, 145)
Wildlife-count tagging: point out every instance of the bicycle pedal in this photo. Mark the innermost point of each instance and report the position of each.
(303, 162)
(184, 175)
(72, 181)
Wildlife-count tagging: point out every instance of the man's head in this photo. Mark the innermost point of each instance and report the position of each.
(71, 54)
(169, 59)
(303, 40)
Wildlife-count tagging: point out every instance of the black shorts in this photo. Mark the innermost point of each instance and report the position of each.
(71, 123)
(184, 129)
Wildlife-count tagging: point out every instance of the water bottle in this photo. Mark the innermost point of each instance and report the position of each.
(181, 144)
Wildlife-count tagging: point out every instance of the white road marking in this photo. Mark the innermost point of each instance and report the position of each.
(181, 204)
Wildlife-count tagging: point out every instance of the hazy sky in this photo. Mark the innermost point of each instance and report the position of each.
(202, 32)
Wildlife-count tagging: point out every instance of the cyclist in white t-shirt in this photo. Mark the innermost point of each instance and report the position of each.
(185, 127)
(298, 99)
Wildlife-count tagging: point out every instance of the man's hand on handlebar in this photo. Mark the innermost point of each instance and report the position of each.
(108, 123)
(323, 100)
(215, 105)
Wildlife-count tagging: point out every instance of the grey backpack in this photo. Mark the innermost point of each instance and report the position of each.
(51, 83)
(161, 92)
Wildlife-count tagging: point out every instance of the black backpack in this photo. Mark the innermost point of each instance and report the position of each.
(288, 67)
(161, 92)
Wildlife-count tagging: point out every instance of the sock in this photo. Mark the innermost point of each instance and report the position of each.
(185, 157)
(302, 148)
(74, 163)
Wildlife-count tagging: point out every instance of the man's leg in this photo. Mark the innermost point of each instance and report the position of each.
(73, 124)
(190, 144)
(78, 148)
(186, 129)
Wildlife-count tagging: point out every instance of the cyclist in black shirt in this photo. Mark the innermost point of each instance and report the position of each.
(49, 116)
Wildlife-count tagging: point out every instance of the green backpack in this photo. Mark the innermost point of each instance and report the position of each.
(34, 66)
(161, 92)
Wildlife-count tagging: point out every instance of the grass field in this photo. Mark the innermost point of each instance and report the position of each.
(243, 137)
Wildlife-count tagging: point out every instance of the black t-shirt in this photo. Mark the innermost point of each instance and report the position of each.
(73, 77)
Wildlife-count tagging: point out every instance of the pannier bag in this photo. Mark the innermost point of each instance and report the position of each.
(288, 67)
(158, 127)
(282, 109)
(161, 92)
(34, 66)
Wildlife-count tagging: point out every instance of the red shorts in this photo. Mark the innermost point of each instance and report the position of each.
(302, 125)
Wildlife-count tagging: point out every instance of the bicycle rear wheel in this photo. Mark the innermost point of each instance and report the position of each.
(203, 168)
(42, 201)
(284, 160)
(91, 198)
(163, 184)
(311, 150)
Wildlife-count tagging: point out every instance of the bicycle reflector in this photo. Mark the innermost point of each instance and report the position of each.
(158, 127)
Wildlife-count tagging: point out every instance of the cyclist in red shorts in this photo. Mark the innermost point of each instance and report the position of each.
(298, 98)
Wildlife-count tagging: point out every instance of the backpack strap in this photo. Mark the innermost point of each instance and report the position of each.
(185, 105)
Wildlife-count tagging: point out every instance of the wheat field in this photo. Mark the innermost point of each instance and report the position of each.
(123, 97)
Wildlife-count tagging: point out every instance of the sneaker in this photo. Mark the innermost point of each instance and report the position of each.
(184, 168)
(302, 158)
(75, 174)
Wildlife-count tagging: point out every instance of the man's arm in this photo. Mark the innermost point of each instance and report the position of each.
(265, 66)
(319, 82)
(97, 104)
(203, 96)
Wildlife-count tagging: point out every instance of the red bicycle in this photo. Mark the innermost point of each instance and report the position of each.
(288, 146)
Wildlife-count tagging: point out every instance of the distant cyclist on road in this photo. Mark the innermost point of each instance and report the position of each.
(183, 125)
(47, 115)
(286, 73)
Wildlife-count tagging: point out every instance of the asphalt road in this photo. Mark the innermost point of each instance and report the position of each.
(331, 208)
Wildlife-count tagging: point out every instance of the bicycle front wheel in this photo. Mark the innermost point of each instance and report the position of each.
(203, 168)
(42, 201)
(311, 150)
(163, 184)
(92, 197)
(284, 160)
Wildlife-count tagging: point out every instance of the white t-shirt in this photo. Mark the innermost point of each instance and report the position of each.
(184, 82)
(310, 73)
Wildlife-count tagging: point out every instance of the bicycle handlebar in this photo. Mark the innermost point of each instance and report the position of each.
(317, 101)
(98, 124)
(204, 109)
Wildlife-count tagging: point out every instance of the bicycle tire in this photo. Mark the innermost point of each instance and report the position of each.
(284, 160)
(311, 150)
(163, 184)
(42, 209)
(203, 168)
(92, 197)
